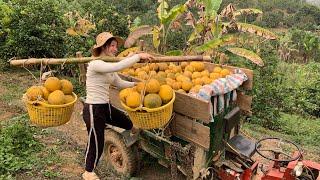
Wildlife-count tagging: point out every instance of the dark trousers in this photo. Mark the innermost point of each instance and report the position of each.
(96, 116)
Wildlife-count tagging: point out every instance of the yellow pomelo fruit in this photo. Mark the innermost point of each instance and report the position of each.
(177, 74)
(133, 100)
(171, 75)
(215, 75)
(171, 66)
(153, 86)
(186, 85)
(34, 93)
(161, 80)
(205, 73)
(56, 97)
(189, 68)
(137, 71)
(166, 93)
(162, 66)
(196, 88)
(168, 71)
(52, 84)
(124, 93)
(198, 66)
(196, 75)
(66, 87)
(152, 73)
(169, 81)
(181, 91)
(224, 72)
(137, 65)
(152, 101)
(142, 75)
(125, 70)
(187, 74)
(146, 68)
(217, 69)
(131, 72)
(45, 92)
(206, 80)
(154, 66)
(162, 74)
(184, 64)
(176, 69)
(140, 87)
(197, 81)
(180, 78)
(68, 99)
(176, 85)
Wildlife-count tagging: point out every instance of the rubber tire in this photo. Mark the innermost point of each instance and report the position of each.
(128, 154)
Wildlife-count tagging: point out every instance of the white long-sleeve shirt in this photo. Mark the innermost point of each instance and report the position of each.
(101, 74)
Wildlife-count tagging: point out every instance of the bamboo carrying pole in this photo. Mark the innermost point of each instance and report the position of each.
(45, 61)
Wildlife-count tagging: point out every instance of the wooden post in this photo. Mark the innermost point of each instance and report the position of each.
(82, 69)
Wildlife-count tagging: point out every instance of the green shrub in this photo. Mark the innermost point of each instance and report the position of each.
(307, 17)
(300, 88)
(272, 19)
(34, 29)
(266, 96)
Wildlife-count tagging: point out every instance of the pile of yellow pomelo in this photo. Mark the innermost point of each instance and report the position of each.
(183, 77)
(150, 94)
(53, 91)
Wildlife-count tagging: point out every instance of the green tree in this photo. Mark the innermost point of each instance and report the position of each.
(34, 29)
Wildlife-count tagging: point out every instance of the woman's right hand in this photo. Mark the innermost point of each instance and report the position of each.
(145, 57)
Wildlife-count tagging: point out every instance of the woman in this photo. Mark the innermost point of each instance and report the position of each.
(97, 109)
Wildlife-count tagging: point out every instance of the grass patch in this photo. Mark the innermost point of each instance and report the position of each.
(18, 147)
(303, 131)
(13, 92)
(22, 152)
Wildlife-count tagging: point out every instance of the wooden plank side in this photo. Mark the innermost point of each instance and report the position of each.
(192, 107)
(244, 102)
(246, 85)
(189, 130)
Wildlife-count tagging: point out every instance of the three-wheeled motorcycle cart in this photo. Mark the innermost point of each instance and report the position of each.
(202, 147)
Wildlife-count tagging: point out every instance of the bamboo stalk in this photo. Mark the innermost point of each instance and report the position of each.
(45, 61)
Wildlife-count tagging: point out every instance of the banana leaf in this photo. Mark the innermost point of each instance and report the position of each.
(250, 55)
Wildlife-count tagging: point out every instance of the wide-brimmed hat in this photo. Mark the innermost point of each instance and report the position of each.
(102, 38)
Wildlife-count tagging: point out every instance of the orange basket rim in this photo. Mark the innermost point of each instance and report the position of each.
(54, 106)
(150, 109)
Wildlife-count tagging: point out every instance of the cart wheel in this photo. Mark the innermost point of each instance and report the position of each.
(119, 157)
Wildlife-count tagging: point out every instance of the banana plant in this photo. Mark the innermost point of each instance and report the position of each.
(167, 18)
(214, 32)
